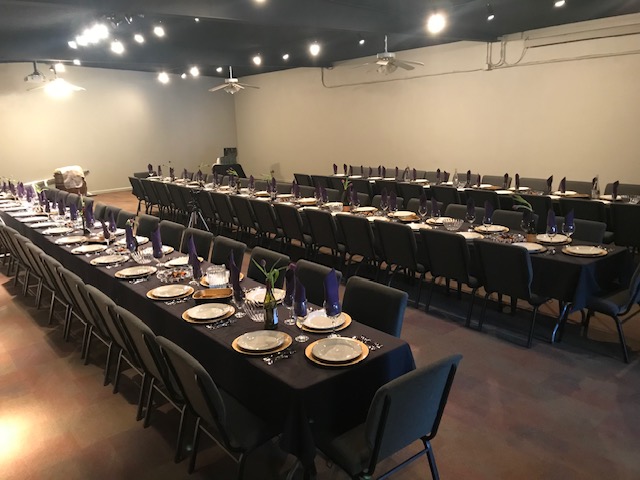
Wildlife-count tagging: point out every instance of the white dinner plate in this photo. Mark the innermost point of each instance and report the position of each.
(514, 189)
(140, 239)
(209, 311)
(544, 238)
(420, 226)
(170, 291)
(470, 235)
(109, 259)
(491, 229)
(584, 251)
(318, 320)
(166, 249)
(180, 261)
(437, 220)
(364, 210)
(503, 192)
(566, 193)
(28, 214)
(257, 294)
(531, 247)
(44, 225)
(337, 350)
(135, 272)
(71, 240)
(371, 218)
(402, 213)
(93, 248)
(307, 201)
(261, 340)
(32, 219)
(57, 231)
(14, 209)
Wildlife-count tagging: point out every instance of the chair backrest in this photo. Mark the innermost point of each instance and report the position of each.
(398, 244)
(99, 210)
(480, 196)
(505, 268)
(410, 190)
(578, 186)
(357, 235)
(584, 209)
(448, 254)
(307, 191)
(376, 305)
(223, 207)
(149, 191)
(202, 240)
(633, 291)
(205, 202)
(163, 194)
(540, 204)
(362, 185)
(446, 195)
(273, 259)
(123, 216)
(81, 301)
(320, 180)
(303, 179)
(375, 201)
(536, 184)
(136, 188)
(508, 218)
(222, 248)
(243, 211)
(290, 221)
(171, 233)
(312, 275)
(177, 198)
(623, 189)
(112, 211)
(585, 230)
(105, 308)
(53, 268)
(322, 226)
(496, 180)
(265, 216)
(408, 408)
(196, 385)
(390, 185)
(626, 224)
(147, 224)
(460, 211)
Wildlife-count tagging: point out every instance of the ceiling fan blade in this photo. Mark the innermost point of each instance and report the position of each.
(39, 87)
(246, 85)
(401, 64)
(219, 87)
(383, 61)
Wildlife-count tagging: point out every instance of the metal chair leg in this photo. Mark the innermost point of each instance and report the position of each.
(623, 343)
(194, 450)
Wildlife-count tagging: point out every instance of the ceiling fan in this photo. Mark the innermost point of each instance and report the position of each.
(56, 87)
(388, 63)
(231, 85)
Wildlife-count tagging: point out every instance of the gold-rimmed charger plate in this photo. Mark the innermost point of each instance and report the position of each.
(166, 249)
(208, 313)
(136, 272)
(71, 240)
(308, 352)
(92, 248)
(364, 210)
(162, 296)
(257, 294)
(307, 201)
(180, 261)
(345, 322)
(57, 230)
(109, 260)
(285, 344)
(32, 218)
(531, 247)
(43, 224)
(491, 229)
(140, 239)
(588, 251)
(437, 221)
(555, 240)
(205, 283)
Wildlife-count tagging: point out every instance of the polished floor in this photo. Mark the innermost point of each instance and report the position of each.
(565, 411)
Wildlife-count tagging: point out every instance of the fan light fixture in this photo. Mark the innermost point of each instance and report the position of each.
(197, 20)
(60, 88)
(59, 67)
(314, 49)
(490, 14)
(231, 85)
(436, 22)
(163, 77)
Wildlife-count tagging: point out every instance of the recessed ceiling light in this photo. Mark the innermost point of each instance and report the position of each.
(59, 67)
(82, 41)
(117, 47)
(219, 69)
(158, 30)
(183, 76)
(72, 44)
(138, 38)
(196, 20)
(194, 71)
(361, 41)
(163, 77)
(285, 56)
(490, 14)
(76, 62)
(257, 60)
(259, 1)
(560, 3)
(436, 23)
(314, 49)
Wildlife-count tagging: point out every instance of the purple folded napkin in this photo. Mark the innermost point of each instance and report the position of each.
(299, 299)
(478, 181)
(20, 189)
(172, 174)
(563, 185)
(160, 170)
(568, 219)
(468, 183)
(445, 175)
(184, 173)
(156, 243)
(435, 210)
(61, 206)
(414, 175)
(517, 181)
(505, 183)
(488, 211)
(379, 170)
(194, 261)
(370, 172)
(384, 172)
(296, 189)
(274, 185)
(331, 296)
(471, 207)
(252, 182)
(105, 231)
(344, 168)
(41, 197)
(335, 169)
(423, 200)
(234, 278)
(614, 189)
(29, 192)
(361, 170)
(324, 195)
(112, 222)
(393, 202)
(4, 187)
(12, 188)
(129, 239)
(73, 211)
(318, 193)
(551, 218)
(594, 183)
(397, 172)
(150, 169)
(290, 281)
(384, 201)
(88, 215)
(437, 176)
(350, 170)
(549, 183)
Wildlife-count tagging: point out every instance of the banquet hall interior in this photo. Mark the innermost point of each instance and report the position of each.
(540, 89)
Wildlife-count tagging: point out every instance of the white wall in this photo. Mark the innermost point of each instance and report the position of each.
(123, 121)
(551, 114)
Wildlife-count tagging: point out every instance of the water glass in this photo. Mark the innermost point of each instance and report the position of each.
(217, 276)
(470, 217)
(568, 229)
(332, 311)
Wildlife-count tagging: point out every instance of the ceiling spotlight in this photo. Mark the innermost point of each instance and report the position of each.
(183, 76)
(81, 40)
(219, 69)
(158, 30)
(257, 60)
(117, 47)
(138, 38)
(559, 3)
(76, 62)
(194, 71)
(285, 57)
(197, 20)
(259, 1)
(163, 77)
(314, 49)
(59, 67)
(361, 41)
(490, 14)
(72, 44)
(436, 23)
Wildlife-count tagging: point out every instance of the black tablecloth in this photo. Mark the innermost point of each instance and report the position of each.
(293, 394)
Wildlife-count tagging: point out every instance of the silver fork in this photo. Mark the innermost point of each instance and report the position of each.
(271, 359)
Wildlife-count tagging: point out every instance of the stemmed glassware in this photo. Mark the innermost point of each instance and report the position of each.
(470, 217)
(158, 255)
(239, 302)
(487, 221)
(300, 310)
(552, 230)
(423, 212)
(333, 311)
(568, 229)
(384, 207)
(287, 301)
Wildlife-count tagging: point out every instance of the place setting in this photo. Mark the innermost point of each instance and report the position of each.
(71, 240)
(208, 313)
(57, 230)
(262, 342)
(109, 261)
(170, 294)
(318, 321)
(590, 251)
(137, 272)
(88, 249)
(336, 352)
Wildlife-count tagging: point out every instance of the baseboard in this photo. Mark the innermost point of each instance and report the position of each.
(111, 190)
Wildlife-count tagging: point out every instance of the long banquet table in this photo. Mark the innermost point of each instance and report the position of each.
(293, 394)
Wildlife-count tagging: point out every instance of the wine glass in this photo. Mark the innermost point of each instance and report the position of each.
(470, 217)
(239, 302)
(287, 301)
(300, 310)
(423, 211)
(568, 229)
(552, 230)
(487, 220)
(333, 311)
(158, 256)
